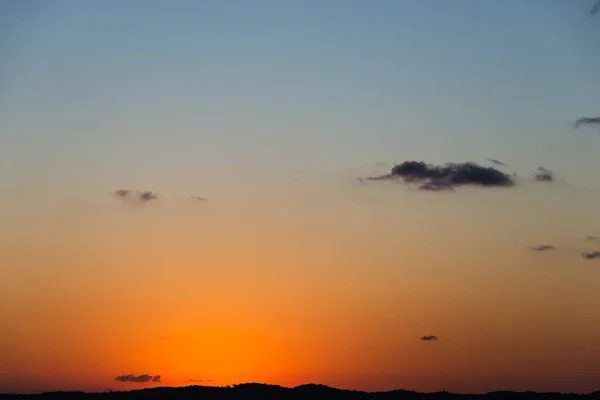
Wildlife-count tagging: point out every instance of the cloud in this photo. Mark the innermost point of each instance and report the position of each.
(590, 255)
(447, 176)
(543, 247)
(497, 162)
(121, 193)
(147, 196)
(198, 198)
(543, 175)
(141, 196)
(429, 338)
(138, 379)
(588, 121)
(594, 10)
(196, 380)
(592, 238)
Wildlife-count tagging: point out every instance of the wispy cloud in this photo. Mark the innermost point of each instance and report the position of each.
(594, 10)
(121, 193)
(429, 338)
(496, 162)
(592, 238)
(588, 121)
(543, 247)
(590, 255)
(144, 378)
(142, 196)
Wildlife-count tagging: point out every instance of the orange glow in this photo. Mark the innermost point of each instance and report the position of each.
(113, 291)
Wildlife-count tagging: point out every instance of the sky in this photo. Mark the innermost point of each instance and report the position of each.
(293, 271)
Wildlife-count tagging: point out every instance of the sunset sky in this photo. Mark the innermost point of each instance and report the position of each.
(293, 271)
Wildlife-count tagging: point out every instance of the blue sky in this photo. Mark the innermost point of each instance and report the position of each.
(98, 95)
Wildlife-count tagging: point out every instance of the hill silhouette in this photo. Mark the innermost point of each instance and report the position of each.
(257, 391)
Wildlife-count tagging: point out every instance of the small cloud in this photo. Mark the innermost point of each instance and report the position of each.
(138, 379)
(196, 380)
(147, 196)
(141, 196)
(497, 162)
(594, 122)
(590, 255)
(429, 338)
(543, 247)
(443, 177)
(594, 10)
(543, 175)
(198, 198)
(592, 238)
(121, 193)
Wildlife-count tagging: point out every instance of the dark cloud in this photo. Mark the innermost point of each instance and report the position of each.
(588, 121)
(147, 196)
(543, 247)
(497, 162)
(138, 379)
(594, 10)
(592, 238)
(429, 338)
(438, 177)
(590, 255)
(196, 380)
(543, 175)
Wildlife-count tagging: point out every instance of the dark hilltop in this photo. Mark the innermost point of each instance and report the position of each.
(263, 391)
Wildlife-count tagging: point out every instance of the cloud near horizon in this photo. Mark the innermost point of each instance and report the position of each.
(543, 175)
(144, 378)
(447, 176)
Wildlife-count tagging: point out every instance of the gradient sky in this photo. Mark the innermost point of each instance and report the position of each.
(293, 272)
